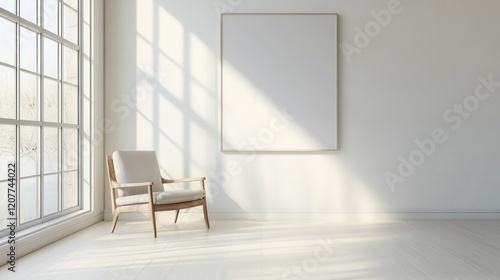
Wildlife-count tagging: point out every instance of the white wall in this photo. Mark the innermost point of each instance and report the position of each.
(162, 92)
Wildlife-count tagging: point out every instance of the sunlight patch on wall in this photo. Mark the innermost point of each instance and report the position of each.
(146, 28)
(201, 62)
(145, 132)
(145, 56)
(171, 37)
(301, 184)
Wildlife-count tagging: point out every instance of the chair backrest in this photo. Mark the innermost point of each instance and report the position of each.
(135, 167)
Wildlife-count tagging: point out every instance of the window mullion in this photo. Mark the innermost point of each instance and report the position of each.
(41, 105)
(41, 10)
(18, 116)
(80, 103)
(61, 111)
(59, 169)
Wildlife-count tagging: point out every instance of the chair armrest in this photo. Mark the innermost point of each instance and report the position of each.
(131, 185)
(169, 181)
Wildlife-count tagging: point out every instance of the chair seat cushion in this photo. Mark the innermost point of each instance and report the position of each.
(165, 197)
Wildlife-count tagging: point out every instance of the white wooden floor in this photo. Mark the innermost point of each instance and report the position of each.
(271, 250)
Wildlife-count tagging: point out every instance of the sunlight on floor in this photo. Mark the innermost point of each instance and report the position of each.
(271, 250)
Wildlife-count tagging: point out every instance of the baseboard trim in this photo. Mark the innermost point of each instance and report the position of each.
(332, 216)
(365, 216)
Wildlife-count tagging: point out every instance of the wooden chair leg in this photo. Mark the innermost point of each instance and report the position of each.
(153, 220)
(205, 213)
(115, 220)
(176, 215)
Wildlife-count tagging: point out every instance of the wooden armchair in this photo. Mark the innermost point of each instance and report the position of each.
(137, 185)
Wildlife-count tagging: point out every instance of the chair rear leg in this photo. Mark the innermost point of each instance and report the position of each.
(176, 215)
(205, 213)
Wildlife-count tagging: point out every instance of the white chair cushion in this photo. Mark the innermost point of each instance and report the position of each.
(165, 197)
(135, 167)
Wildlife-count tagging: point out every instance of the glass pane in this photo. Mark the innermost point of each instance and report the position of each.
(70, 149)
(9, 5)
(51, 149)
(3, 205)
(28, 200)
(51, 15)
(70, 26)
(70, 109)
(8, 42)
(70, 189)
(70, 63)
(70, 162)
(50, 58)
(7, 148)
(28, 10)
(28, 46)
(29, 96)
(50, 194)
(50, 100)
(7, 92)
(29, 150)
(72, 3)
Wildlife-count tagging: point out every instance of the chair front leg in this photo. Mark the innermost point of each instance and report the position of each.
(115, 220)
(153, 220)
(152, 207)
(176, 215)
(205, 213)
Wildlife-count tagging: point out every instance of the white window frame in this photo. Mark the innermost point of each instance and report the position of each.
(83, 198)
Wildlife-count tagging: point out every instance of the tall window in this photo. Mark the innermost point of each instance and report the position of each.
(40, 109)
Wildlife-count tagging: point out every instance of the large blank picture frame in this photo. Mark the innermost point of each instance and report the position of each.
(278, 82)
